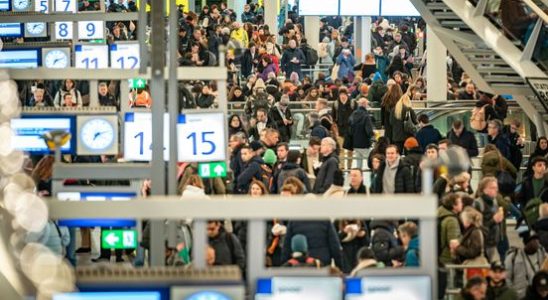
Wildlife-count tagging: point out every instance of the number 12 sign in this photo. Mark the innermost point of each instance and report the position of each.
(124, 56)
(201, 137)
(138, 136)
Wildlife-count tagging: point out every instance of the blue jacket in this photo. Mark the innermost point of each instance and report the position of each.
(346, 65)
(319, 131)
(502, 143)
(412, 253)
(252, 170)
(55, 240)
(361, 127)
(428, 135)
(322, 238)
(289, 67)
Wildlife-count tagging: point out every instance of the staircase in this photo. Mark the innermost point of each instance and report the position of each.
(495, 63)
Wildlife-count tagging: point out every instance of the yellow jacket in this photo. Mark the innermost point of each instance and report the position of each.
(240, 35)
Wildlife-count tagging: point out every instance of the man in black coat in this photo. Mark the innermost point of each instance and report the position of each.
(394, 176)
(458, 135)
(330, 163)
(356, 182)
(536, 185)
(228, 250)
(264, 120)
(252, 169)
(236, 163)
(427, 133)
(498, 138)
(361, 131)
(281, 115)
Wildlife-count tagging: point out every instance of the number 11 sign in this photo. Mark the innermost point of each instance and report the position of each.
(201, 137)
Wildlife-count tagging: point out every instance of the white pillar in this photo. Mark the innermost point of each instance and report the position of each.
(362, 37)
(238, 7)
(436, 68)
(271, 16)
(312, 31)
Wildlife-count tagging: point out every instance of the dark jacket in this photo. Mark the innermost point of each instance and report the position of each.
(237, 165)
(341, 114)
(492, 230)
(515, 18)
(251, 170)
(503, 292)
(253, 132)
(276, 116)
(491, 165)
(248, 62)
(490, 112)
(324, 179)
(466, 140)
(318, 130)
(398, 134)
(360, 190)
(541, 228)
(428, 135)
(502, 143)
(403, 183)
(228, 250)
(527, 191)
(289, 67)
(470, 245)
(323, 242)
(293, 170)
(47, 101)
(107, 100)
(516, 157)
(361, 128)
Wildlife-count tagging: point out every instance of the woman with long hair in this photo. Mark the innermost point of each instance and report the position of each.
(369, 66)
(396, 65)
(42, 174)
(471, 245)
(388, 104)
(235, 126)
(402, 112)
(68, 87)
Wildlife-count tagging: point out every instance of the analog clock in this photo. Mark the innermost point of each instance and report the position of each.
(36, 28)
(20, 5)
(56, 59)
(97, 134)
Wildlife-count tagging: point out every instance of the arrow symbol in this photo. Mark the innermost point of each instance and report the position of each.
(112, 239)
(219, 170)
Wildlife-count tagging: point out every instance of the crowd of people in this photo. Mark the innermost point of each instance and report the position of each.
(344, 140)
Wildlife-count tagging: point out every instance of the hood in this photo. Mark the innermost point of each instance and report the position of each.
(259, 84)
(443, 212)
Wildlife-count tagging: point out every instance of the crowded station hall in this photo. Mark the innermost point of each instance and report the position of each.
(273, 149)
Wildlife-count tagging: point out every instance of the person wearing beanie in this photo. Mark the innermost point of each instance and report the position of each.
(299, 254)
(269, 157)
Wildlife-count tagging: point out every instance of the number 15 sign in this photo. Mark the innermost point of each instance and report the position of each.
(201, 137)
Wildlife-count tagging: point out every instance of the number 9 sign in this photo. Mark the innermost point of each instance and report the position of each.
(201, 137)
(91, 30)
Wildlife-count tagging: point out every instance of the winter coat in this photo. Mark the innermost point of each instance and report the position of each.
(249, 62)
(503, 292)
(412, 253)
(399, 135)
(289, 67)
(466, 140)
(278, 117)
(527, 191)
(403, 183)
(334, 191)
(541, 228)
(228, 250)
(361, 128)
(346, 66)
(515, 18)
(323, 242)
(237, 165)
(488, 207)
(293, 170)
(251, 170)
(341, 114)
(502, 143)
(324, 179)
(490, 165)
(267, 70)
(521, 268)
(470, 245)
(428, 135)
(449, 230)
(376, 91)
(240, 35)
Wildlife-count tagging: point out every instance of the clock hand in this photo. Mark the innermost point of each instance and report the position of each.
(56, 60)
(97, 134)
(35, 25)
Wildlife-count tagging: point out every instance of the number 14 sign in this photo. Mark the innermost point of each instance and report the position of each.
(201, 137)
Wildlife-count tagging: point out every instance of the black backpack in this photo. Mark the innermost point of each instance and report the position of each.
(382, 241)
(311, 56)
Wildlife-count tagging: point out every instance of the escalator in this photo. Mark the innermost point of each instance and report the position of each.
(494, 61)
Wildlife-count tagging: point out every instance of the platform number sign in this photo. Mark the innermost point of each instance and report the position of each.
(63, 30)
(124, 56)
(41, 6)
(201, 137)
(66, 6)
(540, 86)
(138, 137)
(91, 30)
(91, 56)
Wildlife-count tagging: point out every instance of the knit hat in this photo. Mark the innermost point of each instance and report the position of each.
(299, 244)
(259, 84)
(269, 157)
(411, 143)
(364, 88)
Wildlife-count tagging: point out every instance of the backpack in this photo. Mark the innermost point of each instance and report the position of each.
(332, 126)
(477, 121)
(381, 243)
(267, 176)
(311, 56)
(309, 262)
(531, 211)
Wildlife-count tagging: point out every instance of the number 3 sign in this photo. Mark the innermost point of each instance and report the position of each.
(201, 137)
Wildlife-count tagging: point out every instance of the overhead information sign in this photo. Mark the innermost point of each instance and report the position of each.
(540, 87)
(201, 137)
(119, 239)
(138, 136)
(91, 56)
(124, 56)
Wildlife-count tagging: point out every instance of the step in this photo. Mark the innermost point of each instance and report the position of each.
(496, 70)
(446, 15)
(437, 6)
(503, 79)
(487, 61)
(477, 51)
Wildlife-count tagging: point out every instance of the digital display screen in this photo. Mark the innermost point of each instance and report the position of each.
(394, 8)
(389, 287)
(11, 29)
(19, 59)
(360, 7)
(316, 8)
(281, 288)
(96, 196)
(28, 133)
(109, 296)
(5, 5)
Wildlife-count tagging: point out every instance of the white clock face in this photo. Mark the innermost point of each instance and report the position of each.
(97, 134)
(36, 28)
(56, 59)
(21, 4)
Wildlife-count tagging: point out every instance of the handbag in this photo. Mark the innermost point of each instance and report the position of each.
(408, 125)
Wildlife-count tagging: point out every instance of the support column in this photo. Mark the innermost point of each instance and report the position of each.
(362, 37)
(271, 16)
(238, 7)
(312, 31)
(436, 68)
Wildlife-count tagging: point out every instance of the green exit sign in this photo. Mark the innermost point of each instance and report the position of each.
(119, 239)
(137, 83)
(212, 169)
